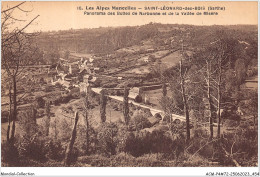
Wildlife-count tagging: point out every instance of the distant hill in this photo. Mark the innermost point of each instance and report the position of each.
(108, 40)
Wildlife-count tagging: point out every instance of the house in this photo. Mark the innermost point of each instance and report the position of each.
(61, 68)
(83, 87)
(62, 75)
(136, 94)
(91, 59)
(93, 79)
(85, 71)
(73, 68)
(133, 96)
(146, 59)
(97, 90)
(67, 78)
(86, 78)
(49, 79)
(83, 64)
(146, 99)
(93, 70)
(150, 50)
(64, 83)
(153, 120)
(90, 64)
(82, 73)
(62, 60)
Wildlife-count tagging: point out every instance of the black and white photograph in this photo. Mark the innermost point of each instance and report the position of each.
(129, 84)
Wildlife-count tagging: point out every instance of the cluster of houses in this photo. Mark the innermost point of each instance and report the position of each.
(81, 72)
(74, 74)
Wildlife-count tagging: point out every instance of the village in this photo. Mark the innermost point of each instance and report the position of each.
(146, 95)
(130, 66)
(78, 72)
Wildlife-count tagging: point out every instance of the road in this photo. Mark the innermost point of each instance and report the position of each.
(153, 110)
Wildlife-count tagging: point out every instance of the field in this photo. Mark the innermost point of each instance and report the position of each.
(172, 59)
(140, 70)
(161, 53)
(81, 54)
(154, 97)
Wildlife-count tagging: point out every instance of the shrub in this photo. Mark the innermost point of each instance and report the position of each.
(4, 116)
(243, 141)
(107, 138)
(65, 99)
(147, 112)
(40, 102)
(138, 99)
(42, 81)
(58, 85)
(123, 160)
(9, 154)
(124, 137)
(119, 93)
(152, 58)
(31, 147)
(139, 122)
(195, 161)
(109, 85)
(48, 88)
(145, 143)
(75, 92)
(54, 150)
(57, 101)
(64, 129)
(62, 99)
(74, 155)
(201, 132)
(231, 123)
(40, 113)
(81, 141)
(27, 124)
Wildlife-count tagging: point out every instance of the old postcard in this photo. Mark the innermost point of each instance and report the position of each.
(129, 84)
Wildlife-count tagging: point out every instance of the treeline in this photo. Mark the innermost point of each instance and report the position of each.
(105, 40)
(52, 45)
(96, 40)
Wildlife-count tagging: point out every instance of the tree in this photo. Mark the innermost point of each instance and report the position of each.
(169, 107)
(10, 110)
(223, 50)
(152, 58)
(103, 102)
(178, 103)
(51, 56)
(68, 155)
(28, 126)
(16, 52)
(126, 106)
(107, 133)
(164, 88)
(209, 95)
(67, 54)
(216, 57)
(253, 105)
(47, 118)
(204, 60)
(186, 109)
(240, 71)
(86, 120)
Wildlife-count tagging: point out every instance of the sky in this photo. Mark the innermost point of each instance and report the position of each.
(64, 15)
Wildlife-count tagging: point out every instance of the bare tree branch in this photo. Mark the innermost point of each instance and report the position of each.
(3, 11)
